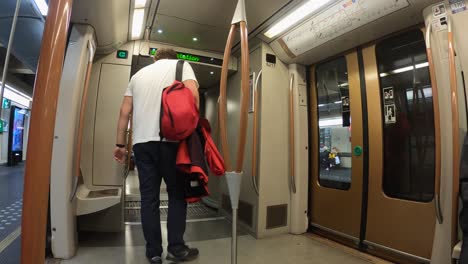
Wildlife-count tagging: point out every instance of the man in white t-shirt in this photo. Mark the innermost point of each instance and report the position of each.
(156, 159)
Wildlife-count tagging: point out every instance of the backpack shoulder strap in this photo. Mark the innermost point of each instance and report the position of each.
(179, 70)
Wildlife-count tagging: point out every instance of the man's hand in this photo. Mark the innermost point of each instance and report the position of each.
(120, 155)
(125, 110)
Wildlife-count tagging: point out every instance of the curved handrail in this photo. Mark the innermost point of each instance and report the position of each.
(255, 134)
(41, 136)
(291, 135)
(223, 100)
(244, 91)
(437, 133)
(79, 141)
(455, 130)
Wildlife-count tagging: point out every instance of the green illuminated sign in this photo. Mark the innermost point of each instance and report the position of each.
(6, 103)
(188, 57)
(122, 54)
(3, 126)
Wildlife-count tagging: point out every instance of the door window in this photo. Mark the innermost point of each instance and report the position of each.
(334, 124)
(408, 116)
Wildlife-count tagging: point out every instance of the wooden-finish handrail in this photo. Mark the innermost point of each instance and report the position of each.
(437, 133)
(79, 138)
(455, 132)
(255, 134)
(84, 100)
(79, 141)
(291, 135)
(41, 136)
(244, 96)
(245, 73)
(223, 100)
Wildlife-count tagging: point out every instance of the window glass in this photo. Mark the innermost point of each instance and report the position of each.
(408, 116)
(334, 124)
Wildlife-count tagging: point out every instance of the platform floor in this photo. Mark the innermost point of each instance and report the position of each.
(11, 203)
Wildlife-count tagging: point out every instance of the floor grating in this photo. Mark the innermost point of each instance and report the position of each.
(194, 211)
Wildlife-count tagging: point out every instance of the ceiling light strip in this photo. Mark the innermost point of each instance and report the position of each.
(140, 3)
(297, 15)
(137, 23)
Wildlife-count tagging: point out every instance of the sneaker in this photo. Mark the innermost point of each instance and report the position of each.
(155, 260)
(182, 254)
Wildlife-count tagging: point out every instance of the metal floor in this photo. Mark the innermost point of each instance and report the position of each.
(195, 212)
(11, 203)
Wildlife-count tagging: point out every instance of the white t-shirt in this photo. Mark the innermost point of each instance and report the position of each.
(146, 88)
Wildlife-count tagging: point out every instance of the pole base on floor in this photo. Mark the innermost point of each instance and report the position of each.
(234, 181)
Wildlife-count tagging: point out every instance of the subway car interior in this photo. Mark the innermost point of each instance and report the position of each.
(342, 126)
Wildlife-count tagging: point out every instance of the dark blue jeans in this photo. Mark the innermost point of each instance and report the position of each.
(156, 161)
(464, 226)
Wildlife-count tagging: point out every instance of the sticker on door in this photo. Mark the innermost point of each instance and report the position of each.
(388, 96)
(390, 114)
(440, 23)
(457, 6)
(345, 103)
(439, 10)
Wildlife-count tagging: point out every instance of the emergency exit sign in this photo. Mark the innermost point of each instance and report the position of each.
(6, 103)
(3, 125)
(122, 54)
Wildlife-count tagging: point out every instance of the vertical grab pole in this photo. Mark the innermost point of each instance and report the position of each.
(7, 56)
(44, 109)
(435, 102)
(234, 178)
(455, 132)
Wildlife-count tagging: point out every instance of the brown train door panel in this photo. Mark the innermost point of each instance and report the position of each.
(401, 213)
(336, 194)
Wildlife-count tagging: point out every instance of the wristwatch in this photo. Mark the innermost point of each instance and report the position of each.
(120, 145)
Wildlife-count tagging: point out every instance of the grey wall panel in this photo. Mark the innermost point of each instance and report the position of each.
(112, 85)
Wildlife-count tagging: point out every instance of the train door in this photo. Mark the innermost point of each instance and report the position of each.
(337, 139)
(401, 208)
(373, 170)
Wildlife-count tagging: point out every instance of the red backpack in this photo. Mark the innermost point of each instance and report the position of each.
(179, 115)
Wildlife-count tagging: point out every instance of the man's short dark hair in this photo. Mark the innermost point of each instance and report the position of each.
(165, 54)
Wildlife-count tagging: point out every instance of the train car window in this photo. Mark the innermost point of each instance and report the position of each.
(408, 116)
(334, 124)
